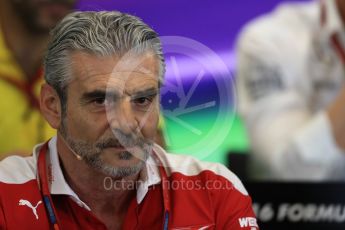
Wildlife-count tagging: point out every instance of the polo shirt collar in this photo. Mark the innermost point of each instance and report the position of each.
(59, 186)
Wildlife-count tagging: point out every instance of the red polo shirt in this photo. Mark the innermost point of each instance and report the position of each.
(202, 196)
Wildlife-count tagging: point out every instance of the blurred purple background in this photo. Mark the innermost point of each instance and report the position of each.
(215, 24)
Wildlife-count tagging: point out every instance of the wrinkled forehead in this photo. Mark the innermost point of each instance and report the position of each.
(85, 65)
(113, 70)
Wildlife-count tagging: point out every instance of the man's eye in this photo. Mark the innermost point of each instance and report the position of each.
(99, 101)
(143, 101)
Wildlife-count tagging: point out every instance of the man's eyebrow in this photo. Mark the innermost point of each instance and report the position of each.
(87, 96)
(146, 92)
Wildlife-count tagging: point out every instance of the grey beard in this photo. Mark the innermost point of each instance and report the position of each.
(91, 154)
(115, 172)
(93, 159)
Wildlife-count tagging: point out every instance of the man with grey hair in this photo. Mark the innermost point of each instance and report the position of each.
(103, 170)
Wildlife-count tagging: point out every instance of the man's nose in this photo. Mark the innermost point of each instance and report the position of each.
(123, 117)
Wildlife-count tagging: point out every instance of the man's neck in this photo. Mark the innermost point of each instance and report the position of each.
(107, 202)
(26, 46)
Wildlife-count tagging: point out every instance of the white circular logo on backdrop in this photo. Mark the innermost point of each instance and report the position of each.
(198, 99)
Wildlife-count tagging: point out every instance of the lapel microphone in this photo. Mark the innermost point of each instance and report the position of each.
(69, 147)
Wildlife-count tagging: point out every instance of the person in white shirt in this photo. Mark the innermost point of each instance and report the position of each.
(290, 79)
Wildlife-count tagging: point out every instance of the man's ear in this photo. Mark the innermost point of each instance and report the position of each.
(50, 106)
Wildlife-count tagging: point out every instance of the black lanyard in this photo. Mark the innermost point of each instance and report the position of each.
(43, 181)
(48, 202)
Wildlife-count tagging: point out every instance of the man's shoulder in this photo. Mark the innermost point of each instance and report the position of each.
(287, 23)
(19, 191)
(189, 168)
(209, 193)
(17, 170)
